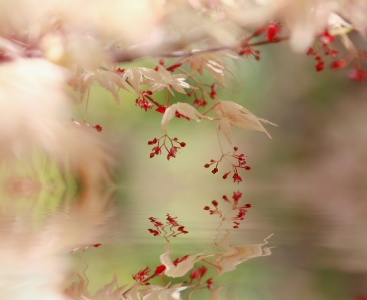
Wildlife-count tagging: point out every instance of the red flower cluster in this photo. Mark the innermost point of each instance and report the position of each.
(162, 143)
(241, 163)
(141, 276)
(239, 211)
(143, 102)
(324, 42)
(160, 229)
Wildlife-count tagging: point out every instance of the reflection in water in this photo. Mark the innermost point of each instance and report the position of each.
(34, 260)
(225, 259)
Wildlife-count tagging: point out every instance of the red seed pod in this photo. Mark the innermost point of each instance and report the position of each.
(206, 166)
(319, 67)
(98, 128)
(215, 170)
(338, 64)
(215, 203)
(226, 175)
(159, 270)
(182, 144)
(161, 109)
(271, 31)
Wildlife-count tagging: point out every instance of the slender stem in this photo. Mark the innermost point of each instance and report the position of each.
(86, 106)
(220, 144)
(152, 100)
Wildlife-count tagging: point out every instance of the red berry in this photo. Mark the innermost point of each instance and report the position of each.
(357, 74)
(98, 128)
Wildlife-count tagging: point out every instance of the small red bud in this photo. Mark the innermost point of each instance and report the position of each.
(151, 155)
(182, 144)
(215, 203)
(247, 168)
(206, 207)
(215, 170)
(319, 67)
(98, 128)
(338, 64)
(161, 109)
(226, 175)
(271, 32)
(206, 166)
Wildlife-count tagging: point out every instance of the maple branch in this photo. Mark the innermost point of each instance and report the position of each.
(136, 52)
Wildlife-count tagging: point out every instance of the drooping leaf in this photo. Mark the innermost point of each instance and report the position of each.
(107, 79)
(165, 79)
(210, 61)
(184, 109)
(233, 114)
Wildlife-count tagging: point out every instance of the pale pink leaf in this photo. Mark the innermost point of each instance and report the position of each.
(184, 109)
(239, 116)
(167, 116)
(225, 126)
(168, 80)
(134, 77)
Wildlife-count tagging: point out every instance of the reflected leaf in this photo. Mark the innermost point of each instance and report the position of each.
(132, 293)
(235, 255)
(215, 293)
(108, 292)
(182, 267)
(156, 292)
